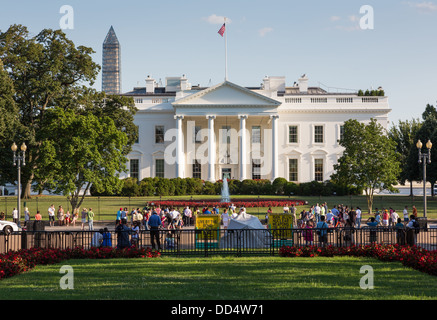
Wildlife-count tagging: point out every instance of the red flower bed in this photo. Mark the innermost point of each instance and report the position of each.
(247, 203)
(15, 262)
(413, 257)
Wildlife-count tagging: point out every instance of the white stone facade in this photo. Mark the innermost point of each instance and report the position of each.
(274, 130)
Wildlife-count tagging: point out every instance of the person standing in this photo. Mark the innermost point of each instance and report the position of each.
(107, 239)
(187, 216)
(414, 212)
(358, 217)
(394, 217)
(60, 216)
(84, 217)
(405, 212)
(51, 212)
(38, 216)
(26, 216)
(322, 231)
(317, 213)
(118, 217)
(293, 214)
(225, 218)
(155, 224)
(15, 215)
(123, 232)
(91, 219)
(97, 239)
(135, 234)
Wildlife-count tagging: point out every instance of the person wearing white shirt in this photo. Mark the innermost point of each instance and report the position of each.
(51, 212)
(97, 239)
(187, 216)
(15, 215)
(225, 218)
(394, 217)
(176, 216)
(405, 214)
(358, 217)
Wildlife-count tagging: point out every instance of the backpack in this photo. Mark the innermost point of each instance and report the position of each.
(416, 226)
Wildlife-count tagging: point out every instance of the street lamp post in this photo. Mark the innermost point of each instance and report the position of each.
(424, 158)
(19, 160)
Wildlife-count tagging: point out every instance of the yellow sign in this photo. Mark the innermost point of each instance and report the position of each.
(281, 224)
(208, 222)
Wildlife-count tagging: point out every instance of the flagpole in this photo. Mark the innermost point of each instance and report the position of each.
(226, 54)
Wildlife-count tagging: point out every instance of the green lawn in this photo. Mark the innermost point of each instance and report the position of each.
(105, 208)
(222, 278)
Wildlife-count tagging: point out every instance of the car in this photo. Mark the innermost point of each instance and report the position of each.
(7, 227)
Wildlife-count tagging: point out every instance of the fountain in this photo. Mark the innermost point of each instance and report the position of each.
(225, 191)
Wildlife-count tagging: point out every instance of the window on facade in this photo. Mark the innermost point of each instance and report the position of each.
(197, 170)
(318, 170)
(134, 169)
(197, 136)
(159, 134)
(318, 134)
(256, 134)
(292, 134)
(256, 169)
(292, 170)
(341, 132)
(137, 140)
(159, 168)
(226, 132)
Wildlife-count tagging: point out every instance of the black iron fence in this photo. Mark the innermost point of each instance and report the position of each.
(236, 242)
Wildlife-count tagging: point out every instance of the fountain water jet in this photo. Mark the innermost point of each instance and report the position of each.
(226, 197)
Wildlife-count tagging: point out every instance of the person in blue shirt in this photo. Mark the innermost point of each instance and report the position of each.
(373, 224)
(107, 239)
(154, 224)
(207, 211)
(118, 219)
(322, 231)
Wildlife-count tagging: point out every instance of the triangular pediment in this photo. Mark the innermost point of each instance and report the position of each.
(226, 94)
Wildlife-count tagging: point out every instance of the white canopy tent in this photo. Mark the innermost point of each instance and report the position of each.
(235, 236)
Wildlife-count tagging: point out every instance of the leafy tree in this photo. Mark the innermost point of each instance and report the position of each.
(369, 160)
(427, 131)
(404, 134)
(45, 69)
(86, 150)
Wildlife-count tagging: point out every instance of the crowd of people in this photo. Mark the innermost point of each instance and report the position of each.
(321, 218)
(154, 218)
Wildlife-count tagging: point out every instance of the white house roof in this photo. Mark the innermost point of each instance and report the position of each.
(226, 94)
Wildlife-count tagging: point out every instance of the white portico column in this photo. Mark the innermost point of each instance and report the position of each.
(275, 150)
(211, 148)
(179, 147)
(243, 147)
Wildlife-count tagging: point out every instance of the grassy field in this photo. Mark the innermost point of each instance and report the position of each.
(105, 208)
(222, 278)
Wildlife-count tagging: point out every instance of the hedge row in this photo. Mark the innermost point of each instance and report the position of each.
(192, 186)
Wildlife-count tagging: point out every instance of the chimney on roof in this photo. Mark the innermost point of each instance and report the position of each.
(150, 84)
(303, 83)
(184, 83)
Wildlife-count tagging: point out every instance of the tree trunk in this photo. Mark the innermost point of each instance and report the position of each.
(26, 189)
(411, 189)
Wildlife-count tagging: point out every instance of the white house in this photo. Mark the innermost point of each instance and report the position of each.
(261, 132)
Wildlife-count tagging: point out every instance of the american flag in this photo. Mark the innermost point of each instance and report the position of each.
(222, 29)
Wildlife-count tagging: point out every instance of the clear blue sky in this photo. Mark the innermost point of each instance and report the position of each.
(277, 37)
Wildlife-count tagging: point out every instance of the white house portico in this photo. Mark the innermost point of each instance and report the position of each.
(242, 133)
(224, 104)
